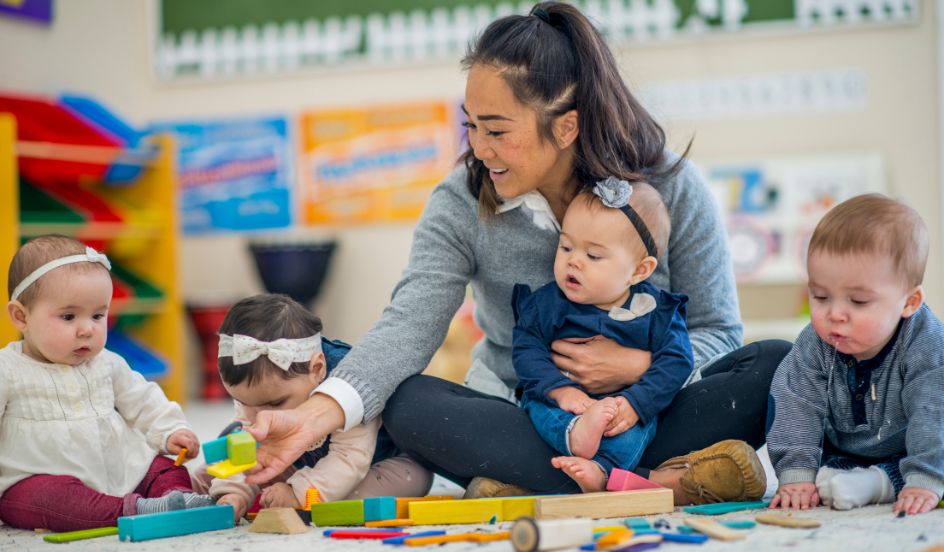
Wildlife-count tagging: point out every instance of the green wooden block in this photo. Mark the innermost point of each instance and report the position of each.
(82, 534)
(241, 448)
(341, 512)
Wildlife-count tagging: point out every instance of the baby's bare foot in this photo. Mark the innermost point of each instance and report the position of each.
(588, 430)
(587, 473)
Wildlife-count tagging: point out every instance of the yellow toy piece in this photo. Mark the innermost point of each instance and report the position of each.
(226, 468)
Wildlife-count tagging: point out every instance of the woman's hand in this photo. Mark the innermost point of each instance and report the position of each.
(284, 435)
(599, 364)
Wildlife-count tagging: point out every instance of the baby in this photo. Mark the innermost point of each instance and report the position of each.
(81, 433)
(609, 245)
(855, 406)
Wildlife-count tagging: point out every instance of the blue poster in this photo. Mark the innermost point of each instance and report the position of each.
(234, 175)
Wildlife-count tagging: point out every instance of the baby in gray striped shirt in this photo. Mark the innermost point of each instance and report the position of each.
(855, 415)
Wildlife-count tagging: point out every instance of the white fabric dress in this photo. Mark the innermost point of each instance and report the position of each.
(99, 421)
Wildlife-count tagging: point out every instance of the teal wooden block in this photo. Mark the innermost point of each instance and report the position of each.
(637, 523)
(178, 522)
(341, 512)
(214, 451)
(241, 448)
(724, 507)
(379, 508)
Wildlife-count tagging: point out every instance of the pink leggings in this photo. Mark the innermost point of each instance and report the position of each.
(63, 503)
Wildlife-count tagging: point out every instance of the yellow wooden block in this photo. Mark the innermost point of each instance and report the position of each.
(516, 507)
(440, 512)
(605, 504)
(226, 468)
(403, 503)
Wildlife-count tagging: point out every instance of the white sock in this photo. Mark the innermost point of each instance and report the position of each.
(823, 477)
(861, 486)
(173, 500)
(195, 500)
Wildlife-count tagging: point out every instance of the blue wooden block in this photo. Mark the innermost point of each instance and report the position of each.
(378, 508)
(215, 451)
(178, 522)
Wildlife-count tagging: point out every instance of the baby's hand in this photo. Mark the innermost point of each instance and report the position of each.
(279, 495)
(571, 399)
(183, 438)
(237, 501)
(625, 419)
(915, 500)
(799, 496)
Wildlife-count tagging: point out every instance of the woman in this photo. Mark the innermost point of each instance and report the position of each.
(548, 114)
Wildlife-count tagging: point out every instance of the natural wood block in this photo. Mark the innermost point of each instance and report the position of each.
(714, 529)
(786, 520)
(278, 520)
(605, 504)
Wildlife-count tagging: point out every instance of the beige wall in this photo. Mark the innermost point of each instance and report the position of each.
(102, 47)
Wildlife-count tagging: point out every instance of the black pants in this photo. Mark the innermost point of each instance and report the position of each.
(460, 433)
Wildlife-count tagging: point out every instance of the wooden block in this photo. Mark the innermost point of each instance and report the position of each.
(516, 507)
(441, 512)
(241, 448)
(614, 538)
(713, 529)
(530, 535)
(605, 504)
(730, 523)
(214, 451)
(724, 507)
(403, 503)
(312, 496)
(226, 469)
(379, 508)
(178, 522)
(787, 520)
(283, 521)
(389, 523)
(622, 480)
(81, 534)
(341, 512)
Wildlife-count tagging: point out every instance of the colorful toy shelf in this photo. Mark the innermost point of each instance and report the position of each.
(71, 167)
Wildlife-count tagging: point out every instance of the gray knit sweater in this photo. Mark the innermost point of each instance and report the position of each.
(812, 398)
(453, 247)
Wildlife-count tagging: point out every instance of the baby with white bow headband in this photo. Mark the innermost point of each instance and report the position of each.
(610, 242)
(82, 435)
(272, 357)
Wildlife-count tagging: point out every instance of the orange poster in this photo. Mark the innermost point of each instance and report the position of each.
(375, 164)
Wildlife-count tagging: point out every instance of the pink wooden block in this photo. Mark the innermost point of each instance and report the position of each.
(622, 480)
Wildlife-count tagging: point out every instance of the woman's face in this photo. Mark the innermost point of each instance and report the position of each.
(504, 135)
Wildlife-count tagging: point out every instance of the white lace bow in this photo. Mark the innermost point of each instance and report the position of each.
(281, 352)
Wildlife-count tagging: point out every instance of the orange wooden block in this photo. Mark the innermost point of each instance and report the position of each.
(181, 457)
(461, 537)
(389, 523)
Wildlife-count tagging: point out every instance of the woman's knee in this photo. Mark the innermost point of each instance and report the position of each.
(411, 397)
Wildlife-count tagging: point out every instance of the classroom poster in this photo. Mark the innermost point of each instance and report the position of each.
(234, 174)
(374, 164)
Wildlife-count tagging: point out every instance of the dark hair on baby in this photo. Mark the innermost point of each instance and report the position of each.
(266, 317)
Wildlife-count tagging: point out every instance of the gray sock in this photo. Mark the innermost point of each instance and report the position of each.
(195, 500)
(173, 500)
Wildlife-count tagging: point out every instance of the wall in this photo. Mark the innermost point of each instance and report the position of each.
(102, 47)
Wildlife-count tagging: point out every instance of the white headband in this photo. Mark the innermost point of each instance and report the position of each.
(282, 352)
(90, 256)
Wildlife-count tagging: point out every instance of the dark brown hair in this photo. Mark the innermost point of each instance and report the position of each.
(37, 252)
(554, 60)
(874, 223)
(266, 317)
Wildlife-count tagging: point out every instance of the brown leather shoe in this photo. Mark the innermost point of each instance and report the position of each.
(483, 487)
(727, 471)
